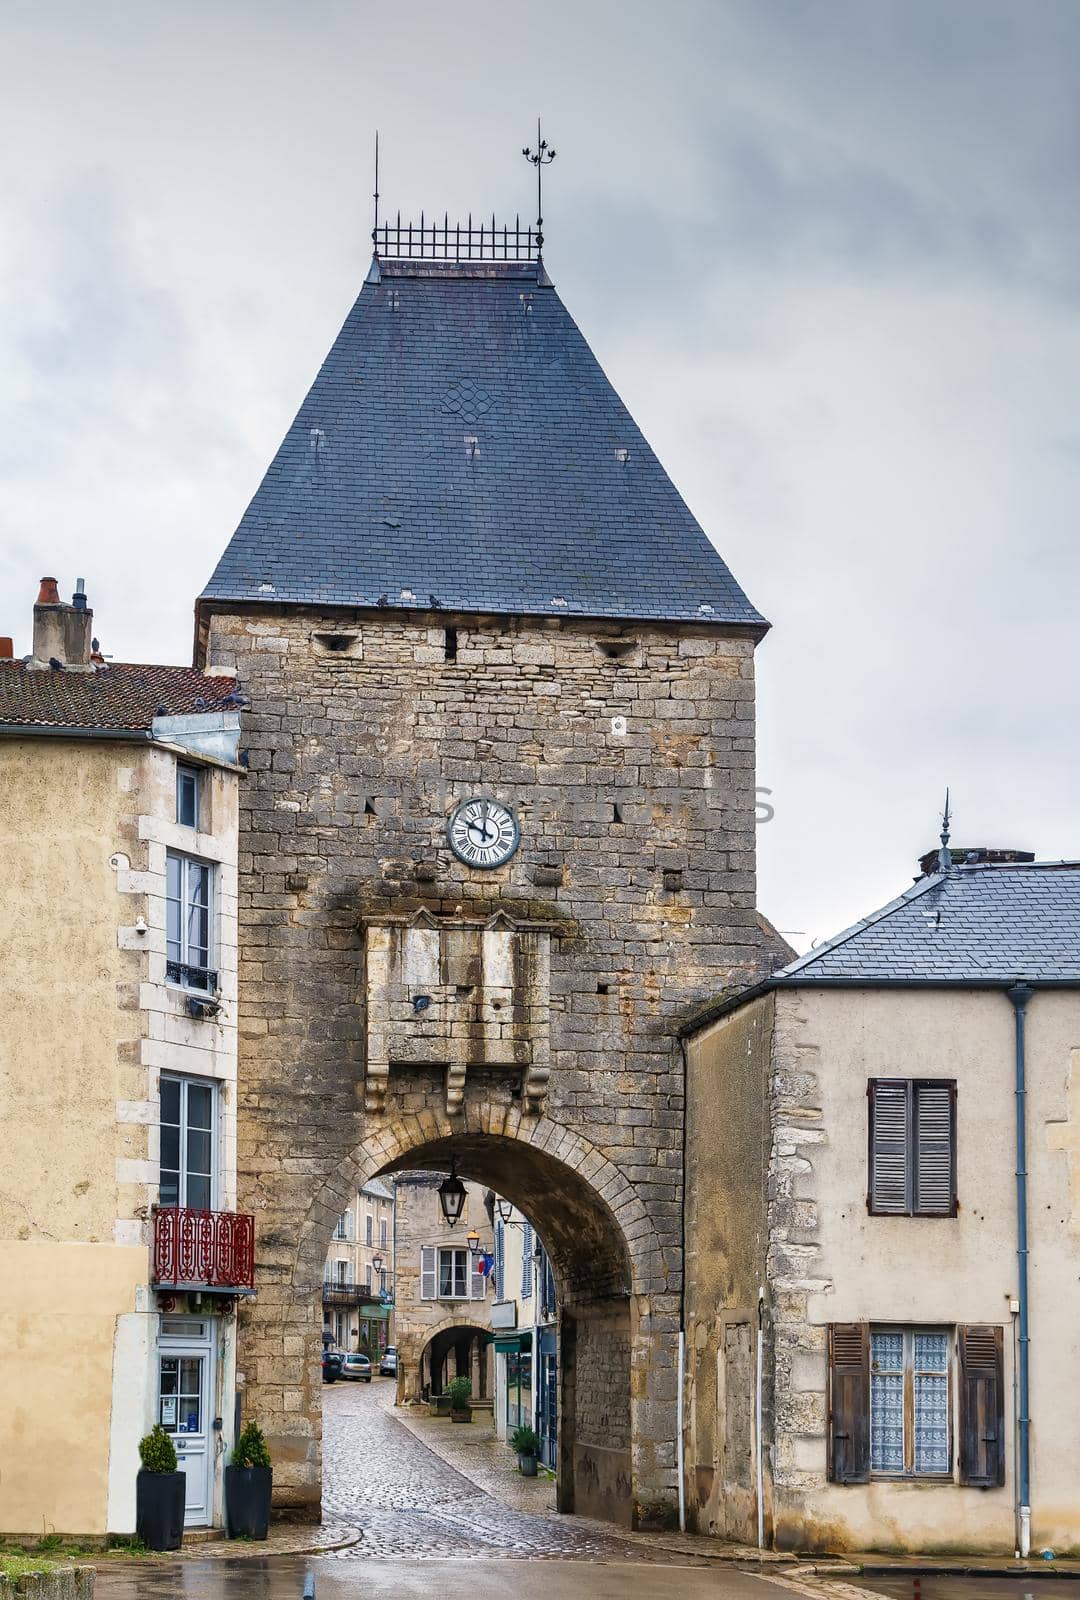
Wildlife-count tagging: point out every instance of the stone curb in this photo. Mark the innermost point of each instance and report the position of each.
(64, 1583)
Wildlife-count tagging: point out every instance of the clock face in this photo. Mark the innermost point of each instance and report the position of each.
(483, 833)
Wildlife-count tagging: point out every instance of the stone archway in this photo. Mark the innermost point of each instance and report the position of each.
(618, 1313)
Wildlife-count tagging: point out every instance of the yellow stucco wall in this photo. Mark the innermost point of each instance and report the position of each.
(57, 1321)
(726, 1134)
(61, 810)
(68, 1053)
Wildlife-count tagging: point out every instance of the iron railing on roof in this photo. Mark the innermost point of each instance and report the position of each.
(456, 241)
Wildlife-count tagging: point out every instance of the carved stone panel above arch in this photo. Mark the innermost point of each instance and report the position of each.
(460, 995)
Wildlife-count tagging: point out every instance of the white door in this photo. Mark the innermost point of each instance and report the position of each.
(185, 1408)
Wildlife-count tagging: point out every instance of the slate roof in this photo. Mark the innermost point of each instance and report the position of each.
(971, 924)
(120, 695)
(558, 507)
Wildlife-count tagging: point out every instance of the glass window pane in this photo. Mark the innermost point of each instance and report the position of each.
(200, 1105)
(170, 1368)
(931, 1422)
(931, 1352)
(170, 1100)
(198, 1193)
(887, 1422)
(173, 868)
(446, 1273)
(170, 1147)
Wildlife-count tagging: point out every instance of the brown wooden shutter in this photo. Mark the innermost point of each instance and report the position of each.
(889, 1187)
(934, 1121)
(849, 1402)
(982, 1407)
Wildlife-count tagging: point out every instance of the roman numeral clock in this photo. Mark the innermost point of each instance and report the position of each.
(483, 833)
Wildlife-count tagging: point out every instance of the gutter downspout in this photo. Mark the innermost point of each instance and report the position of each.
(680, 1464)
(759, 1461)
(1019, 995)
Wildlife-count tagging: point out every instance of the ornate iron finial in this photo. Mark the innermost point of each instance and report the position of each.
(375, 229)
(944, 854)
(541, 157)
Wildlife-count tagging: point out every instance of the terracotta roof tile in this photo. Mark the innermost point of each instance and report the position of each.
(121, 695)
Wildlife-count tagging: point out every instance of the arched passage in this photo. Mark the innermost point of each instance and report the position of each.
(617, 1321)
(457, 1349)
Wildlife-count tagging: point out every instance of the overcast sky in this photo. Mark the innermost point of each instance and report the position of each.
(828, 251)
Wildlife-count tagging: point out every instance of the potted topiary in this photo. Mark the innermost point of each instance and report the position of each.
(249, 1480)
(527, 1445)
(458, 1391)
(159, 1493)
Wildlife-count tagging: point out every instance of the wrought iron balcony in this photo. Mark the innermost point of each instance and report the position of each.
(195, 1250)
(358, 1294)
(456, 241)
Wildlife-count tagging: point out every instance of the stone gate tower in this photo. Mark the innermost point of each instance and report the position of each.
(497, 838)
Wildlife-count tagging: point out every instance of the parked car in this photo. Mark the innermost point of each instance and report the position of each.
(331, 1365)
(356, 1365)
(388, 1364)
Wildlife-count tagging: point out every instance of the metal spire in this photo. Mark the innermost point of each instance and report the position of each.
(944, 855)
(541, 157)
(375, 229)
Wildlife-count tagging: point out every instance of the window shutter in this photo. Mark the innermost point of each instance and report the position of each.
(849, 1402)
(477, 1281)
(526, 1261)
(427, 1272)
(890, 1123)
(982, 1407)
(935, 1148)
(500, 1261)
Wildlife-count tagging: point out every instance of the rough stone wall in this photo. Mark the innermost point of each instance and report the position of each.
(628, 755)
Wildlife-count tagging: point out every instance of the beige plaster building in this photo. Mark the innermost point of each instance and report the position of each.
(120, 1250)
(855, 1129)
(358, 1281)
(442, 1310)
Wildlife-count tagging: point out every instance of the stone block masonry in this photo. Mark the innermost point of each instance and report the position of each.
(628, 755)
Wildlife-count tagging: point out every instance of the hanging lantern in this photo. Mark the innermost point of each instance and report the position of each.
(452, 1197)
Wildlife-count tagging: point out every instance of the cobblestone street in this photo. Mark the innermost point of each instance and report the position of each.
(380, 1476)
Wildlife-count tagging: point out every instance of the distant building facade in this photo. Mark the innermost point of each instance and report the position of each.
(121, 1249)
(442, 1301)
(853, 1130)
(358, 1281)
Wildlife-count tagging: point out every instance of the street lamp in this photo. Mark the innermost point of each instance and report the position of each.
(452, 1197)
(377, 1263)
(506, 1209)
(472, 1238)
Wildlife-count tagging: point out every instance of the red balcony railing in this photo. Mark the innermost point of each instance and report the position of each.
(203, 1250)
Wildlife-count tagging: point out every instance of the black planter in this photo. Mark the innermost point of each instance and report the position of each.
(247, 1501)
(159, 1509)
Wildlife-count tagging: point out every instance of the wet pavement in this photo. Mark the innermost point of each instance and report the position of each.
(972, 1586)
(282, 1578)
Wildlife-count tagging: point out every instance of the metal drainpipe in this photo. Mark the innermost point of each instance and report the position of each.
(1020, 994)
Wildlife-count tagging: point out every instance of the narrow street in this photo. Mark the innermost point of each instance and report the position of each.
(379, 1476)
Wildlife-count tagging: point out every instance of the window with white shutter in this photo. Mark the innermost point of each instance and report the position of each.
(527, 1261)
(912, 1147)
(477, 1280)
(500, 1261)
(428, 1284)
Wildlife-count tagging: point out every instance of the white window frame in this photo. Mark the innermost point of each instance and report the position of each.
(215, 1123)
(181, 957)
(383, 1232)
(184, 772)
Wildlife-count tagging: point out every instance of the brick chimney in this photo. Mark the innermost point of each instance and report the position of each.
(62, 632)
